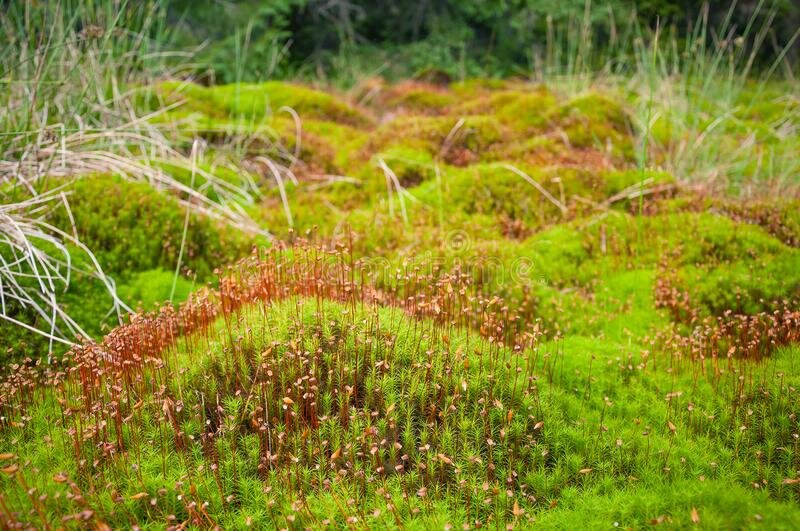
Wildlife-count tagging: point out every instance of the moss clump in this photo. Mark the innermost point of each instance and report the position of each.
(744, 286)
(723, 265)
(523, 110)
(780, 218)
(417, 97)
(494, 189)
(325, 145)
(261, 100)
(595, 119)
(624, 179)
(133, 227)
(455, 141)
(473, 87)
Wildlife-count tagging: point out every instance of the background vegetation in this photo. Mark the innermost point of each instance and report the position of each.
(340, 40)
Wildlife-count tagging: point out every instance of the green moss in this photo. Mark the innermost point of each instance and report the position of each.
(528, 110)
(748, 286)
(439, 136)
(135, 233)
(723, 264)
(411, 167)
(472, 87)
(780, 218)
(191, 98)
(493, 189)
(619, 180)
(419, 97)
(325, 144)
(717, 504)
(611, 451)
(632, 435)
(595, 119)
(144, 289)
(767, 102)
(541, 149)
(133, 227)
(524, 110)
(257, 101)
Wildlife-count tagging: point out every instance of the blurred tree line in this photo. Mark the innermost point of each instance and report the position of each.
(256, 39)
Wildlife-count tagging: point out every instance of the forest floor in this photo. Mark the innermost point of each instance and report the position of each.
(472, 304)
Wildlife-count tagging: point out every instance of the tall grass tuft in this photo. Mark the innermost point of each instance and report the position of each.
(705, 103)
(73, 74)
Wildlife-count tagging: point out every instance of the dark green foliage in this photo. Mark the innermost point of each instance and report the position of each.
(462, 39)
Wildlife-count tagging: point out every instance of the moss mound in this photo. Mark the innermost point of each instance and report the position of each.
(259, 101)
(281, 413)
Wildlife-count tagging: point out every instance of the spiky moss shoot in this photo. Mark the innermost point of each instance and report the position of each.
(316, 398)
(259, 100)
